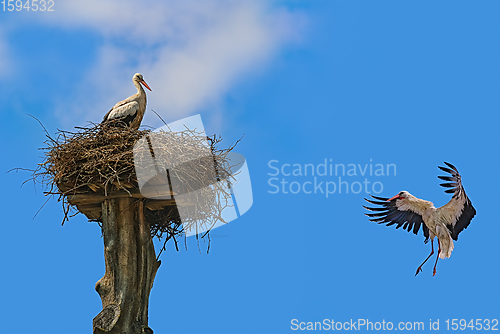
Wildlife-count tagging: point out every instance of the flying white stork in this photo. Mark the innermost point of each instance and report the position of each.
(410, 212)
(130, 111)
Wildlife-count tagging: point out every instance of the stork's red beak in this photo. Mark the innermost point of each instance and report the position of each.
(145, 85)
(394, 197)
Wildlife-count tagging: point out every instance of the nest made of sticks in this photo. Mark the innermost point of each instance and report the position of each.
(103, 159)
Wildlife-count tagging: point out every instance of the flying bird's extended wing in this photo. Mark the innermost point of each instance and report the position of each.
(391, 214)
(458, 212)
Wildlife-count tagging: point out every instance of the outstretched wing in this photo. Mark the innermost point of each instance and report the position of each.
(390, 214)
(458, 212)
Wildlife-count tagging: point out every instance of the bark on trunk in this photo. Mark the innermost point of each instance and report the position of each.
(130, 269)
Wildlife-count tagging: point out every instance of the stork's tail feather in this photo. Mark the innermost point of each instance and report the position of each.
(446, 253)
(445, 242)
(446, 247)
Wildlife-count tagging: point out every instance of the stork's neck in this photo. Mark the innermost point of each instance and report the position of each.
(140, 90)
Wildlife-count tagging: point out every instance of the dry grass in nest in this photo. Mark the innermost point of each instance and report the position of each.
(99, 160)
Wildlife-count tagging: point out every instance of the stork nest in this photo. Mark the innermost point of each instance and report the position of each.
(101, 161)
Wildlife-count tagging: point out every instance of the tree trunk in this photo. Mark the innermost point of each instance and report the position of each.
(131, 267)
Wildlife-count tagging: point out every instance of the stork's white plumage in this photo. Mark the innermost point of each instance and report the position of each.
(130, 111)
(410, 212)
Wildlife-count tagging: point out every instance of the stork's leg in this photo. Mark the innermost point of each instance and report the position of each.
(435, 264)
(419, 269)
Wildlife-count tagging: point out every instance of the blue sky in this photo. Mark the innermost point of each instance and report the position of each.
(409, 83)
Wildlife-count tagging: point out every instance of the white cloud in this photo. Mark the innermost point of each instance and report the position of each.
(190, 52)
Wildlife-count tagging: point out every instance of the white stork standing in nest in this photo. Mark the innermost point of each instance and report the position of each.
(410, 212)
(130, 111)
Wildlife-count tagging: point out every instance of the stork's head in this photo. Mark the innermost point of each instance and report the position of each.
(402, 195)
(140, 79)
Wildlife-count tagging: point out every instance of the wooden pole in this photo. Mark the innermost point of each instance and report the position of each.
(131, 267)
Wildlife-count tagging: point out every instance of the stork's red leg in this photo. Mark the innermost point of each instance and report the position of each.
(419, 269)
(435, 264)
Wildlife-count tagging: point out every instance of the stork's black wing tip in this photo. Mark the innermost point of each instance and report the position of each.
(380, 198)
(383, 202)
(451, 166)
(447, 170)
(453, 170)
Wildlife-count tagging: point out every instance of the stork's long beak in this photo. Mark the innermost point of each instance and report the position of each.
(394, 197)
(145, 85)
